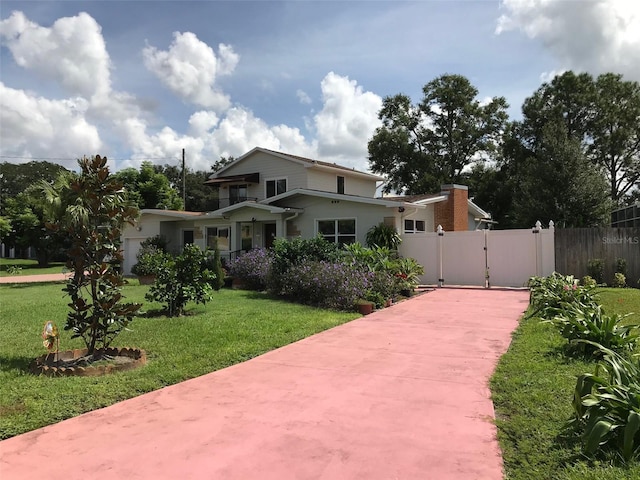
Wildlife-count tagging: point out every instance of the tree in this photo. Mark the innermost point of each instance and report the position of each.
(552, 179)
(16, 178)
(93, 221)
(149, 189)
(223, 162)
(198, 196)
(419, 147)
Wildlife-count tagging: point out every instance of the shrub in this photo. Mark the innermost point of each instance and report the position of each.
(586, 325)
(383, 235)
(621, 266)
(549, 294)
(182, 279)
(588, 282)
(213, 263)
(595, 269)
(150, 259)
(607, 405)
(619, 280)
(326, 284)
(253, 268)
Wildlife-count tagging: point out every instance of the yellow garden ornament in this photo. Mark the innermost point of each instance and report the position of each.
(50, 335)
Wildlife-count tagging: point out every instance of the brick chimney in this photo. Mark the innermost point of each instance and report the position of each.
(453, 213)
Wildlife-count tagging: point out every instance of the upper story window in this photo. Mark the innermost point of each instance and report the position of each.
(340, 184)
(276, 186)
(414, 226)
(338, 231)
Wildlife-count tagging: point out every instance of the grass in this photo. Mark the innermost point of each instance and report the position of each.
(532, 390)
(27, 267)
(236, 326)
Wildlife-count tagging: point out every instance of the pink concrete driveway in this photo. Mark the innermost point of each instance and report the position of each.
(399, 394)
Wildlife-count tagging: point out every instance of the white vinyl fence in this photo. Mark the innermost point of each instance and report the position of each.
(501, 258)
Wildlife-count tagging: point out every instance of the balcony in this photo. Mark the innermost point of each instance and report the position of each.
(219, 203)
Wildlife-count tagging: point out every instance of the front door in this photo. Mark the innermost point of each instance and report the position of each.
(269, 234)
(246, 236)
(187, 238)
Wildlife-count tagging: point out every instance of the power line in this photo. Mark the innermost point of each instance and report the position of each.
(16, 157)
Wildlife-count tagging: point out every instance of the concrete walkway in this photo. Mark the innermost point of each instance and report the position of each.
(399, 394)
(48, 277)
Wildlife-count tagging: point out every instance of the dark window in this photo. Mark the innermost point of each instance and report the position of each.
(237, 194)
(276, 187)
(338, 231)
(414, 226)
(187, 237)
(340, 184)
(218, 237)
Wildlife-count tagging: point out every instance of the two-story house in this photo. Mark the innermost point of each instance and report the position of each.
(265, 195)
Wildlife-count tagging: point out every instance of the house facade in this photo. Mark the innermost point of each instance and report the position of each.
(264, 195)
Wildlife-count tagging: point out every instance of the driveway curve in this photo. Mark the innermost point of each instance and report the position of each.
(399, 394)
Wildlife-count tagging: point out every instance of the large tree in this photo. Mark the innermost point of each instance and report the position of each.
(17, 177)
(198, 196)
(149, 189)
(419, 147)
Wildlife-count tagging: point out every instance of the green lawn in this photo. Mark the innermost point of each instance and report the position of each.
(235, 327)
(28, 267)
(532, 391)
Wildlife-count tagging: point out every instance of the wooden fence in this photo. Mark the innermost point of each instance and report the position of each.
(574, 247)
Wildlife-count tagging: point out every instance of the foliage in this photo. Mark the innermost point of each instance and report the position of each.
(383, 235)
(408, 272)
(253, 268)
(222, 162)
(532, 390)
(420, 147)
(240, 325)
(148, 189)
(199, 197)
(595, 269)
(607, 405)
(14, 269)
(587, 327)
(588, 281)
(214, 264)
(93, 222)
(325, 284)
(5, 228)
(619, 280)
(182, 279)
(549, 295)
(149, 260)
(621, 266)
(294, 252)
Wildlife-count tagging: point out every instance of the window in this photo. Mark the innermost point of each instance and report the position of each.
(218, 236)
(276, 187)
(414, 226)
(237, 193)
(187, 237)
(340, 184)
(338, 231)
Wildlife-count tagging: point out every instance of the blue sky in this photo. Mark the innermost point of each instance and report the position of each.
(142, 80)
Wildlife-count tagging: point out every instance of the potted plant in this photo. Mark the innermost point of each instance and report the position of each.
(150, 258)
(365, 307)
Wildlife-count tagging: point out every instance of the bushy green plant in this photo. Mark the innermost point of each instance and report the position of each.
(93, 222)
(621, 266)
(548, 294)
(214, 264)
(383, 235)
(595, 269)
(619, 280)
(607, 405)
(14, 269)
(588, 282)
(584, 325)
(253, 268)
(326, 284)
(182, 279)
(150, 259)
(408, 272)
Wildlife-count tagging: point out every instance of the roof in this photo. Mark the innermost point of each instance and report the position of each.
(171, 213)
(307, 162)
(337, 196)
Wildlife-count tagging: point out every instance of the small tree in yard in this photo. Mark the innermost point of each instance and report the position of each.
(182, 279)
(93, 221)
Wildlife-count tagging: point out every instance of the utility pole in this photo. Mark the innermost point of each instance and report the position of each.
(184, 184)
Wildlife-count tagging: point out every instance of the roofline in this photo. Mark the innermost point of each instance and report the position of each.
(171, 213)
(339, 196)
(478, 210)
(429, 201)
(259, 206)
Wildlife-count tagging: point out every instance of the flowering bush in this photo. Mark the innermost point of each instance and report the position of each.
(550, 294)
(326, 284)
(253, 268)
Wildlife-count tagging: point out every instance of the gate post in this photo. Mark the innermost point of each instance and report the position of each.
(536, 231)
(440, 239)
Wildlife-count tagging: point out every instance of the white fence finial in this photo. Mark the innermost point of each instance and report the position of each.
(440, 230)
(551, 225)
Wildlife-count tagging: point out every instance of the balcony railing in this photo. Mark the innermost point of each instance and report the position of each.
(225, 202)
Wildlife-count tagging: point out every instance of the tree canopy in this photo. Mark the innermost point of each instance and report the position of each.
(148, 188)
(420, 147)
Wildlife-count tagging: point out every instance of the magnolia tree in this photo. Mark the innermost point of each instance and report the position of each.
(96, 211)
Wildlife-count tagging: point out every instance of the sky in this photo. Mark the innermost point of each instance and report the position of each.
(142, 80)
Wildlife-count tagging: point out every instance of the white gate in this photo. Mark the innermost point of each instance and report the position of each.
(506, 258)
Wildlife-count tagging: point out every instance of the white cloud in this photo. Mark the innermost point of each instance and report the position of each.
(72, 51)
(347, 120)
(595, 36)
(32, 125)
(303, 97)
(190, 68)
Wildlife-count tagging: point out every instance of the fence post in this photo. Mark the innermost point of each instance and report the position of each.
(440, 239)
(536, 231)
